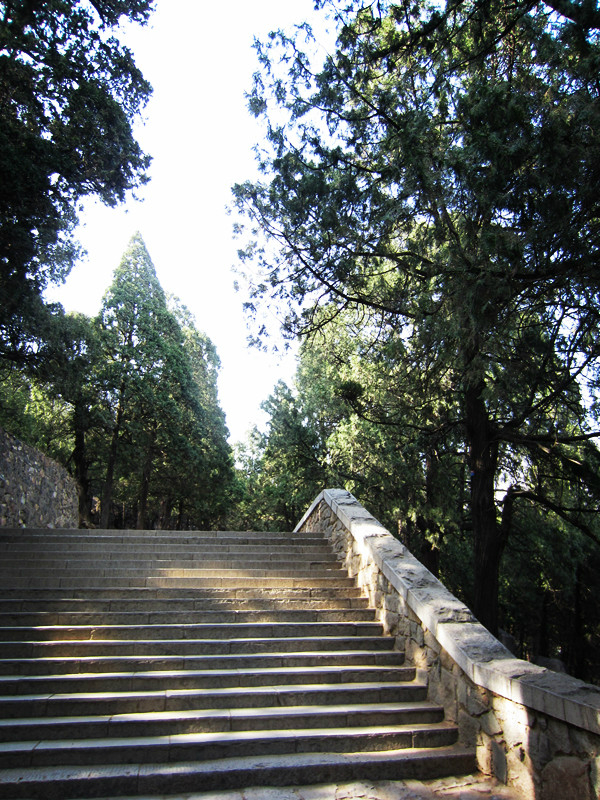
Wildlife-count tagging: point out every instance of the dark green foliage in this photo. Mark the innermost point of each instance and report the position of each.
(167, 433)
(438, 174)
(128, 402)
(374, 427)
(283, 469)
(69, 94)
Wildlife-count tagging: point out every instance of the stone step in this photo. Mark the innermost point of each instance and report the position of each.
(164, 723)
(72, 665)
(151, 647)
(81, 564)
(209, 569)
(109, 703)
(78, 618)
(43, 538)
(215, 553)
(146, 595)
(224, 744)
(187, 661)
(81, 584)
(245, 630)
(195, 603)
(152, 680)
(112, 781)
(153, 552)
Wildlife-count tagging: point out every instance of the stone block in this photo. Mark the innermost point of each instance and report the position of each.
(416, 634)
(499, 764)
(35, 492)
(566, 778)
(431, 643)
(469, 729)
(483, 752)
(490, 724)
(469, 697)
(558, 734)
(595, 776)
(390, 603)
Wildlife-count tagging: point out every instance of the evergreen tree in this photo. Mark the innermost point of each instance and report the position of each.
(440, 169)
(160, 387)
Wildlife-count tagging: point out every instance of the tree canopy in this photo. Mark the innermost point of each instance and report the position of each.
(69, 95)
(128, 402)
(353, 418)
(439, 172)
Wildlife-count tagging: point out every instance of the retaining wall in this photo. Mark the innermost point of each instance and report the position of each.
(532, 728)
(35, 492)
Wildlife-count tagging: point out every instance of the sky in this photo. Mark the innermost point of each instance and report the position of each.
(199, 59)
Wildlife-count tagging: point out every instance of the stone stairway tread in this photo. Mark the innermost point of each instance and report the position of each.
(160, 581)
(68, 783)
(229, 744)
(177, 605)
(181, 699)
(141, 539)
(244, 630)
(218, 719)
(187, 553)
(117, 593)
(54, 665)
(69, 619)
(268, 676)
(235, 569)
(141, 647)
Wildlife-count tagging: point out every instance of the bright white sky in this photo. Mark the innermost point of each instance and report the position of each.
(198, 56)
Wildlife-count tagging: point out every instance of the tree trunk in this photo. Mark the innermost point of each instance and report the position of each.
(112, 460)
(81, 464)
(488, 539)
(145, 484)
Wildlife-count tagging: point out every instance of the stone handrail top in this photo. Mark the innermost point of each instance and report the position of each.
(486, 661)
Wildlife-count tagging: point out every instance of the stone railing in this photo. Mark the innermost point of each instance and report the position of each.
(536, 730)
(35, 492)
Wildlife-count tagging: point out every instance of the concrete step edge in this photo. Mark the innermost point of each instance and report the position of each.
(329, 639)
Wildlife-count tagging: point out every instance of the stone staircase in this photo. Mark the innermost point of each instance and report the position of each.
(140, 662)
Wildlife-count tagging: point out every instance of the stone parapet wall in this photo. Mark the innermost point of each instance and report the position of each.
(35, 492)
(536, 730)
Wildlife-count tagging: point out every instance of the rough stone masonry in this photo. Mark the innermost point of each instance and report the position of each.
(35, 492)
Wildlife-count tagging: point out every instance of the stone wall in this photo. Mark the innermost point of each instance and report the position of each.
(533, 729)
(35, 492)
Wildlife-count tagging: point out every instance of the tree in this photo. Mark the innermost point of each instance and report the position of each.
(142, 340)
(166, 428)
(128, 402)
(440, 169)
(284, 468)
(69, 94)
(203, 478)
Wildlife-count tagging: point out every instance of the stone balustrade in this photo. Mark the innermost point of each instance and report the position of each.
(533, 729)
